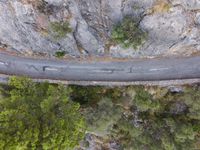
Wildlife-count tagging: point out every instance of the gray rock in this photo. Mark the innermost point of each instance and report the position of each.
(25, 29)
(188, 4)
(57, 2)
(198, 18)
(113, 145)
(19, 30)
(99, 143)
(176, 89)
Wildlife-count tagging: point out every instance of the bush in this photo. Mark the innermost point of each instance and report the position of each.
(60, 29)
(100, 119)
(144, 101)
(86, 95)
(128, 34)
(60, 54)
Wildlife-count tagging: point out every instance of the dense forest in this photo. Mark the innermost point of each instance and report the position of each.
(43, 116)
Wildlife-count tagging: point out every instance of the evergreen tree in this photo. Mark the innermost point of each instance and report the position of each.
(39, 116)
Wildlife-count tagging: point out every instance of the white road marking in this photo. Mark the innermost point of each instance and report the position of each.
(3, 63)
(82, 67)
(51, 69)
(158, 69)
(102, 71)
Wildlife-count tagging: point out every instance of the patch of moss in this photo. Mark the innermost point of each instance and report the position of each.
(128, 34)
(60, 29)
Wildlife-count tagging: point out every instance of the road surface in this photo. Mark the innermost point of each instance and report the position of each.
(125, 71)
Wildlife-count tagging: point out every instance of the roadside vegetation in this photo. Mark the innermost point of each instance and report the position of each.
(128, 34)
(60, 54)
(50, 116)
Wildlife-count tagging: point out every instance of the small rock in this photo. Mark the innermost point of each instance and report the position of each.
(175, 89)
(113, 145)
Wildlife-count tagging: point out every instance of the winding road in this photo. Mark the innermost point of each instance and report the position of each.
(124, 71)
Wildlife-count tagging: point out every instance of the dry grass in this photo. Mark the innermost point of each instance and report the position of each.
(161, 6)
(32, 2)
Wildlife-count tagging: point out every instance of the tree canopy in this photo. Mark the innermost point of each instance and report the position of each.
(164, 123)
(38, 116)
(152, 119)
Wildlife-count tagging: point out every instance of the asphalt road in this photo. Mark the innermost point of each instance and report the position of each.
(136, 70)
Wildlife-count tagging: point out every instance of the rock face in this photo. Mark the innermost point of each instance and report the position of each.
(173, 26)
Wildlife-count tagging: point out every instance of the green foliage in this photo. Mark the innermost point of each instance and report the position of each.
(155, 134)
(91, 95)
(192, 99)
(139, 120)
(39, 116)
(144, 101)
(126, 130)
(184, 133)
(60, 29)
(99, 106)
(157, 129)
(101, 118)
(86, 95)
(60, 54)
(115, 94)
(128, 34)
(132, 137)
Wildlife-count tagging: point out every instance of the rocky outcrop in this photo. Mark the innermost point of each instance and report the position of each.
(94, 142)
(173, 27)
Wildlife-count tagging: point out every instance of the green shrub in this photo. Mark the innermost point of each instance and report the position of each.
(60, 29)
(60, 54)
(86, 95)
(144, 101)
(128, 34)
(100, 119)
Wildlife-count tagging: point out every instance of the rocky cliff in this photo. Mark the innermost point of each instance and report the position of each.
(173, 27)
